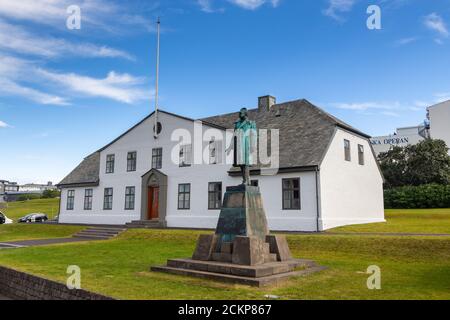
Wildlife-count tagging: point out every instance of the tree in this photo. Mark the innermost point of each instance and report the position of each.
(423, 163)
(47, 194)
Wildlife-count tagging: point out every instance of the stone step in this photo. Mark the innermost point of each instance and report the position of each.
(144, 224)
(258, 271)
(257, 282)
(106, 229)
(101, 234)
(102, 231)
(91, 236)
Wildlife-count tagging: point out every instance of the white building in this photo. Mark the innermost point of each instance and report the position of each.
(328, 175)
(439, 116)
(436, 127)
(401, 138)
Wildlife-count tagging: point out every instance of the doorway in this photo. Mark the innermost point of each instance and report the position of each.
(153, 203)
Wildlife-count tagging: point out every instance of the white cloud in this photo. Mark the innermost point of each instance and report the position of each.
(435, 22)
(17, 75)
(102, 14)
(12, 71)
(8, 87)
(337, 7)
(207, 5)
(17, 39)
(363, 106)
(119, 87)
(405, 41)
(392, 109)
(254, 4)
(3, 124)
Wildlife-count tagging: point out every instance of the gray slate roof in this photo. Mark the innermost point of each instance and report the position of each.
(87, 172)
(305, 133)
(305, 130)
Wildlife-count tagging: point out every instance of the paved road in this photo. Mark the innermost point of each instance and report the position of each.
(41, 242)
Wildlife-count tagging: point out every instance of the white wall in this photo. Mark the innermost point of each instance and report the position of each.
(350, 193)
(440, 122)
(198, 216)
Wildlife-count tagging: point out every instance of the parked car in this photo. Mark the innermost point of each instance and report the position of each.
(33, 217)
(4, 219)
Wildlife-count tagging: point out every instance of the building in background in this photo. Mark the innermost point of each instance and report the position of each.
(439, 116)
(39, 188)
(12, 191)
(437, 126)
(7, 187)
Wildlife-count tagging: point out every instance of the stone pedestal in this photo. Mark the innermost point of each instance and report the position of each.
(241, 250)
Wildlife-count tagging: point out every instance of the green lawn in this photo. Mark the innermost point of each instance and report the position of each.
(407, 221)
(412, 267)
(16, 210)
(15, 231)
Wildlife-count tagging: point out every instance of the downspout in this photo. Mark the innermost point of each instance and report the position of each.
(317, 200)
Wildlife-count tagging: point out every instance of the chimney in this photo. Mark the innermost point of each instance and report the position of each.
(266, 103)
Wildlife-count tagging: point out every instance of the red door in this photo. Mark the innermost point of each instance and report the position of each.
(153, 203)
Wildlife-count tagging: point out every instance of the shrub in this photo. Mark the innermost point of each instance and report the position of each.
(26, 197)
(48, 194)
(417, 197)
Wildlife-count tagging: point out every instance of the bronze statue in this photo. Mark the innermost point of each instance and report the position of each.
(244, 141)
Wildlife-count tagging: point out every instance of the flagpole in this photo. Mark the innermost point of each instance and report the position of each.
(157, 80)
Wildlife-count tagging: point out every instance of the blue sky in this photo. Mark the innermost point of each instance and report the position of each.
(65, 93)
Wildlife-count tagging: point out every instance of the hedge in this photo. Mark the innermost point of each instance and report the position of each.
(418, 197)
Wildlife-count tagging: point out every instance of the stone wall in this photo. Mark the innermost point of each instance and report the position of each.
(23, 286)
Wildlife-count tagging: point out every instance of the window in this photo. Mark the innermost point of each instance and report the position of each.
(157, 158)
(88, 193)
(129, 198)
(184, 196)
(348, 156)
(214, 195)
(70, 199)
(131, 161)
(291, 194)
(108, 199)
(254, 183)
(110, 163)
(361, 154)
(186, 155)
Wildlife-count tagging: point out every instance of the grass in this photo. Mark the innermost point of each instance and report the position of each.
(412, 267)
(14, 232)
(16, 210)
(432, 221)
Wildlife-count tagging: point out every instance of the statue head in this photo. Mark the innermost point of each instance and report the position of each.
(243, 114)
